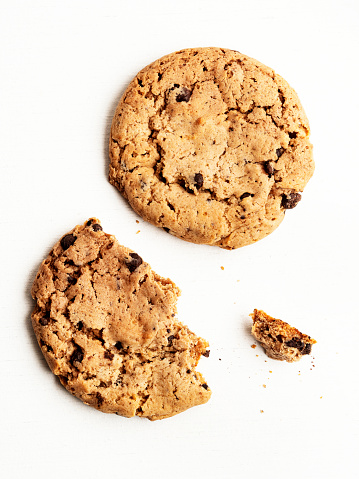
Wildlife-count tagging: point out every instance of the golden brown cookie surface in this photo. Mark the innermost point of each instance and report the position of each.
(106, 325)
(212, 146)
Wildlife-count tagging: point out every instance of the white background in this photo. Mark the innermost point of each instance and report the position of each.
(64, 66)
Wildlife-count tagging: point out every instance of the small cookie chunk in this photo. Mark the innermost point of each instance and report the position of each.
(212, 146)
(279, 339)
(106, 325)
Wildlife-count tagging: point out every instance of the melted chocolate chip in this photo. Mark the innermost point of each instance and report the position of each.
(89, 223)
(118, 345)
(198, 180)
(77, 356)
(292, 134)
(245, 195)
(44, 321)
(268, 168)
(135, 262)
(243, 217)
(80, 325)
(97, 227)
(205, 386)
(188, 371)
(170, 339)
(206, 353)
(185, 95)
(295, 343)
(279, 152)
(168, 330)
(307, 349)
(108, 355)
(67, 241)
(166, 229)
(289, 202)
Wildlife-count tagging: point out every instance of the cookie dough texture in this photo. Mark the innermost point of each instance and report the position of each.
(279, 339)
(212, 146)
(106, 325)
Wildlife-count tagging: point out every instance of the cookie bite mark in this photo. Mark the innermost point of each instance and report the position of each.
(280, 340)
(106, 324)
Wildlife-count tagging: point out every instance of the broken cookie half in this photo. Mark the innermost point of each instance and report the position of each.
(279, 339)
(106, 324)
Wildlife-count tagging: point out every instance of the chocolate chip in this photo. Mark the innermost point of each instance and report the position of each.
(245, 195)
(170, 339)
(185, 95)
(289, 202)
(280, 338)
(206, 353)
(243, 217)
(77, 356)
(118, 345)
(292, 134)
(80, 325)
(168, 330)
(307, 349)
(295, 343)
(135, 262)
(71, 279)
(268, 168)
(198, 180)
(166, 229)
(279, 152)
(44, 321)
(205, 386)
(97, 227)
(67, 241)
(89, 223)
(188, 371)
(108, 355)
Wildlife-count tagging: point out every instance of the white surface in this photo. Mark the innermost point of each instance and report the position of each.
(64, 66)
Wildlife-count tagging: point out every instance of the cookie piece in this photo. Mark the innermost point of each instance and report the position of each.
(212, 146)
(279, 339)
(106, 325)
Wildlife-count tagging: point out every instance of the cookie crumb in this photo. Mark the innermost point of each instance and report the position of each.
(264, 386)
(137, 221)
(280, 340)
(138, 232)
(222, 268)
(261, 411)
(253, 346)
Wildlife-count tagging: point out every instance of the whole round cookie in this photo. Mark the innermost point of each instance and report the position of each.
(106, 324)
(210, 145)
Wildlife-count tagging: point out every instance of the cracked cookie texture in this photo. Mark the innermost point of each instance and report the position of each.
(212, 146)
(106, 324)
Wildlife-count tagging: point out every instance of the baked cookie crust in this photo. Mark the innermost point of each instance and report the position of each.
(106, 324)
(212, 146)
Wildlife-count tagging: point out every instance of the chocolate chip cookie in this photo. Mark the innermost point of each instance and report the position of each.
(279, 339)
(106, 324)
(212, 146)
